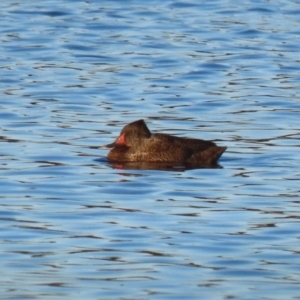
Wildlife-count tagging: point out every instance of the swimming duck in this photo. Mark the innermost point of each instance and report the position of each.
(136, 143)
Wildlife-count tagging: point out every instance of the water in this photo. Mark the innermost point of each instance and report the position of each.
(73, 73)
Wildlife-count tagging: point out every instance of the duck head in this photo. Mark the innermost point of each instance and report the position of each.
(131, 135)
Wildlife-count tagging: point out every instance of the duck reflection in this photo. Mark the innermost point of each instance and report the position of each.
(160, 166)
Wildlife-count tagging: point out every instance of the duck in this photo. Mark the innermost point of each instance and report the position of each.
(136, 143)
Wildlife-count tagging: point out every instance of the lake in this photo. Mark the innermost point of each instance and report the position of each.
(75, 226)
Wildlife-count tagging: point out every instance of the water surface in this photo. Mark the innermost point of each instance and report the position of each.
(73, 73)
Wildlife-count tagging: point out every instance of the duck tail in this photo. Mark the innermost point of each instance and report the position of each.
(216, 152)
(208, 156)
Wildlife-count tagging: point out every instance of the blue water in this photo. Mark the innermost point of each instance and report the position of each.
(73, 73)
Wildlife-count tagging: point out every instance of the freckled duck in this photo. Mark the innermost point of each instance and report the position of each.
(137, 144)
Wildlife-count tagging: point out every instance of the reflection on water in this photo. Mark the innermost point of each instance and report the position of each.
(159, 166)
(73, 73)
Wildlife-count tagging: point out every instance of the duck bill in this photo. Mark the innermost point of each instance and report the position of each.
(109, 146)
(120, 141)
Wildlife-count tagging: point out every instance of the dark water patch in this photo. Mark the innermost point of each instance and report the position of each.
(39, 12)
(261, 10)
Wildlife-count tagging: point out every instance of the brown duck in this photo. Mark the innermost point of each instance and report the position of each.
(137, 144)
